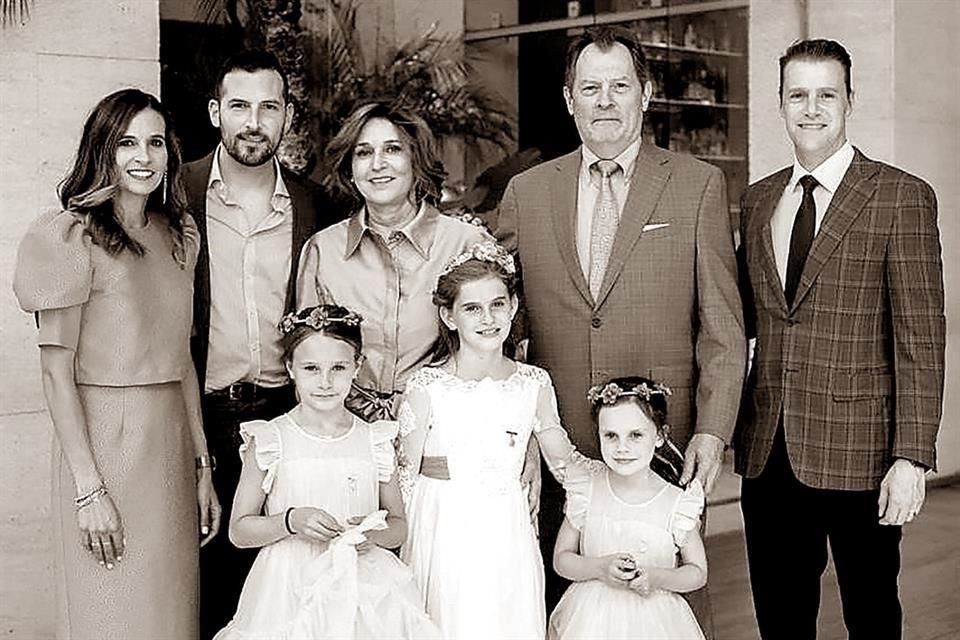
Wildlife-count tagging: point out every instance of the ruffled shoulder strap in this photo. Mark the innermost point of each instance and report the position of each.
(382, 436)
(687, 511)
(265, 437)
(53, 268)
(578, 483)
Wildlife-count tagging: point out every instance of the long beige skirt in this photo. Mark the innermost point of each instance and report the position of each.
(142, 446)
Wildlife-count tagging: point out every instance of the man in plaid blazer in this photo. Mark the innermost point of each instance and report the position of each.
(842, 405)
(668, 305)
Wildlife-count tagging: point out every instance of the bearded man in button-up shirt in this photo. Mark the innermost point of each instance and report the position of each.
(253, 217)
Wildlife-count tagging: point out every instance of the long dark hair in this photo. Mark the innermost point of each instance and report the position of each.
(87, 188)
(428, 171)
(448, 288)
(667, 460)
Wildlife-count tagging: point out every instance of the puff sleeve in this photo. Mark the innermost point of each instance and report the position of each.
(578, 484)
(687, 512)
(54, 268)
(266, 442)
(382, 435)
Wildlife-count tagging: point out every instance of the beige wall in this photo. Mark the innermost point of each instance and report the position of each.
(906, 70)
(55, 66)
(927, 142)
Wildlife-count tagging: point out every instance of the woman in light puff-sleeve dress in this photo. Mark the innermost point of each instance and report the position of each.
(110, 279)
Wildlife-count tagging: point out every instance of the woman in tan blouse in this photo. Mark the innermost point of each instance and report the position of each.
(111, 278)
(385, 259)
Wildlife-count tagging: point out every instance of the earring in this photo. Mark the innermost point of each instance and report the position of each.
(163, 185)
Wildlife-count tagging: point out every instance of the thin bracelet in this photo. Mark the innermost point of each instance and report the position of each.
(90, 497)
(206, 461)
(286, 521)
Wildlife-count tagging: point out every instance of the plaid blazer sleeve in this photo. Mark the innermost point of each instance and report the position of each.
(914, 274)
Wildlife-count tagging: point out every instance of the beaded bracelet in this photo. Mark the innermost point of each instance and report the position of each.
(89, 498)
(286, 521)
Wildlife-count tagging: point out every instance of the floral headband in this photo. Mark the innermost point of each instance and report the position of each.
(611, 392)
(486, 251)
(318, 318)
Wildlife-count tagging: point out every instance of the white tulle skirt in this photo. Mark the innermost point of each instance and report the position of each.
(475, 557)
(292, 593)
(591, 610)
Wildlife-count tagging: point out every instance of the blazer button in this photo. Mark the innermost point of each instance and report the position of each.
(596, 322)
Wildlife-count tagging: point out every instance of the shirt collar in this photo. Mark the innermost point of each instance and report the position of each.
(419, 231)
(828, 173)
(627, 158)
(216, 180)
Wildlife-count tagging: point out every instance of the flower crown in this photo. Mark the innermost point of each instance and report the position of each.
(486, 251)
(611, 392)
(318, 318)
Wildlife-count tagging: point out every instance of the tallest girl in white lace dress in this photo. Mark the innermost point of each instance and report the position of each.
(465, 425)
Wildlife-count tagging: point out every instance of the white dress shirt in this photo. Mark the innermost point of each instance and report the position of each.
(829, 175)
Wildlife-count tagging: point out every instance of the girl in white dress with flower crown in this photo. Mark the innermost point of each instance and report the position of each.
(465, 425)
(318, 493)
(624, 526)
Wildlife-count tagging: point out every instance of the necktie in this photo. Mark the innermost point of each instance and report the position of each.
(605, 219)
(801, 238)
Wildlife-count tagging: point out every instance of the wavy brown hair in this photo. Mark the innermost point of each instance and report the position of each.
(428, 171)
(86, 188)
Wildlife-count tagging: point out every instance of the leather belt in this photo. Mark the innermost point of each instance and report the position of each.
(249, 392)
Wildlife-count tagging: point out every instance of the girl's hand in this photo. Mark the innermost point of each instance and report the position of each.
(209, 506)
(617, 570)
(315, 524)
(641, 584)
(365, 546)
(648, 580)
(101, 531)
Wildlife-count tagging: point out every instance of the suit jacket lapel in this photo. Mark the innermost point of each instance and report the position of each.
(563, 198)
(302, 209)
(848, 203)
(768, 261)
(196, 175)
(651, 173)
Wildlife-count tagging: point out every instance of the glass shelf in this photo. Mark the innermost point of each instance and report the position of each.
(672, 102)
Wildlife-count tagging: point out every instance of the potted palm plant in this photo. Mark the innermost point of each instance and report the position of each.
(329, 75)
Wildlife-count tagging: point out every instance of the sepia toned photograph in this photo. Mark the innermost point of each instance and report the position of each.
(480, 319)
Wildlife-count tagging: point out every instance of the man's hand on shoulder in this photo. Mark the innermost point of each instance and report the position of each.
(702, 460)
(902, 492)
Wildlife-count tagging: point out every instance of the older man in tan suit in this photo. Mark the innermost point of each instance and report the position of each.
(628, 267)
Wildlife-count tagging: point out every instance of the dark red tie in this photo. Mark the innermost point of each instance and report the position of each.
(801, 238)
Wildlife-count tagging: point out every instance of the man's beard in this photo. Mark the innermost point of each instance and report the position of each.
(247, 156)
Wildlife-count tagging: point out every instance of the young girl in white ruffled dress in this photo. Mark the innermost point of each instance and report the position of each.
(465, 424)
(625, 525)
(318, 493)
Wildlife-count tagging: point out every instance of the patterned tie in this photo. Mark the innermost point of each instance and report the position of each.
(801, 238)
(605, 219)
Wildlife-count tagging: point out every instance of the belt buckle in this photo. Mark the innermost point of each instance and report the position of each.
(235, 391)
